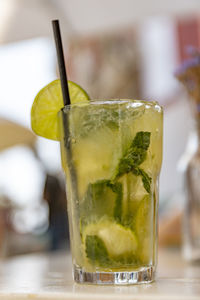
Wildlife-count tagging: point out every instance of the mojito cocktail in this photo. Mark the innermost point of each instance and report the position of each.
(111, 154)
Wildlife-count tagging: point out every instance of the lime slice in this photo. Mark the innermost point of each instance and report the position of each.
(48, 103)
(117, 239)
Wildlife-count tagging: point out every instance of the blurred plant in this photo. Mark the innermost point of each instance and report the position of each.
(189, 75)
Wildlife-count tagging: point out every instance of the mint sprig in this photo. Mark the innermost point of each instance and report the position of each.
(134, 157)
(104, 197)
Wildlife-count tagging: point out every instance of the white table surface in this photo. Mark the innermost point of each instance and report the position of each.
(46, 277)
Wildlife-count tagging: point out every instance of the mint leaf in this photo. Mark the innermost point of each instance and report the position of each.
(135, 155)
(146, 179)
(96, 250)
(142, 140)
(102, 198)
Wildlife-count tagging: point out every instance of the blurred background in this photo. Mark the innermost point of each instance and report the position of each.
(123, 48)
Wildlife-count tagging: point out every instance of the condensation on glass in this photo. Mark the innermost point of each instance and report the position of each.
(111, 155)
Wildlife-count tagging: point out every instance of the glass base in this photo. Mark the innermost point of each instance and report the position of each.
(144, 275)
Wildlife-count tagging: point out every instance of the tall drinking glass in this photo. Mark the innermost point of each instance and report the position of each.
(111, 154)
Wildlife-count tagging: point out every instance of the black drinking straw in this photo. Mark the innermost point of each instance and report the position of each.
(66, 101)
(61, 62)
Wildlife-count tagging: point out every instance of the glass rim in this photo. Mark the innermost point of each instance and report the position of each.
(97, 102)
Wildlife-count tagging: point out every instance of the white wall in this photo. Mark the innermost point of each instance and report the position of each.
(91, 15)
(32, 18)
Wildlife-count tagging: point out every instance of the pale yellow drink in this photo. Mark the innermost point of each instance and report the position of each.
(111, 154)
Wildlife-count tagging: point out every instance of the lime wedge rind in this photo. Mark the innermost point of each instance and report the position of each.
(48, 102)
